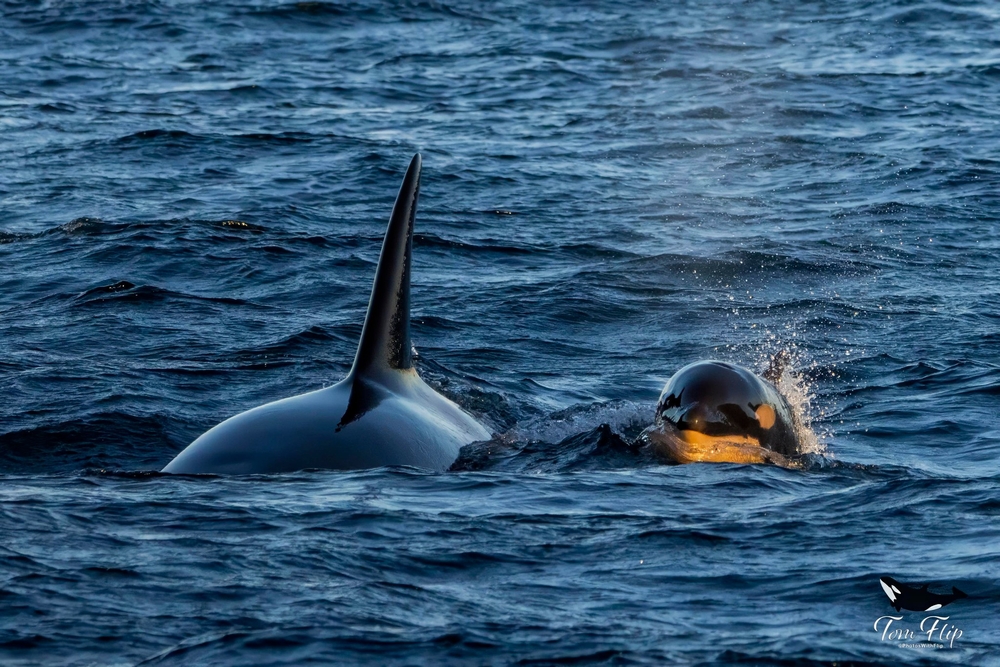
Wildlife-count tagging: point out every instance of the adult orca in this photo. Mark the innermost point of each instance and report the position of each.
(714, 411)
(381, 414)
(902, 596)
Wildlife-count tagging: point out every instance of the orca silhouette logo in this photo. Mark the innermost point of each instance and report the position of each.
(902, 596)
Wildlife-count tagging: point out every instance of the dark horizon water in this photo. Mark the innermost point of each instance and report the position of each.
(193, 197)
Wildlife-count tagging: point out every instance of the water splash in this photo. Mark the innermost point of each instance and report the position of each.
(799, 393)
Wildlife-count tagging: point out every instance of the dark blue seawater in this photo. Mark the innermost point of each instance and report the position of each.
(192, 198)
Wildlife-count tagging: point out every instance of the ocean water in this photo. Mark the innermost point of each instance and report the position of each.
(192, 198)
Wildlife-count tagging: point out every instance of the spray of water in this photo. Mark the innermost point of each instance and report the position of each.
(798, 391)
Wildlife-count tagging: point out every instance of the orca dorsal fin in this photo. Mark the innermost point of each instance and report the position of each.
(385, 339)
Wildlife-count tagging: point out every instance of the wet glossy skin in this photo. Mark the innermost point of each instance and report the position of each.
(381, 414)
(713, 411)
(405, 422)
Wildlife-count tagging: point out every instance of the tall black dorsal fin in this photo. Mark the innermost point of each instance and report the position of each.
(385, 339)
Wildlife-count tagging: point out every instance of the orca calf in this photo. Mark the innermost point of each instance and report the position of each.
(916, 599)
(381, 414)
(713, 411)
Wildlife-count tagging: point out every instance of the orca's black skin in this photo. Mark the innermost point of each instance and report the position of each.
(717, 398)
(381, 414)
(717, 412)
(902, 596)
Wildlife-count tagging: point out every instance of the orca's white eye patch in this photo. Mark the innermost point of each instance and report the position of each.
(765, 416)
